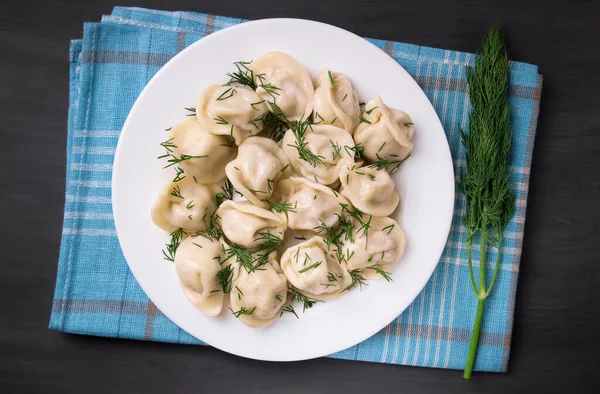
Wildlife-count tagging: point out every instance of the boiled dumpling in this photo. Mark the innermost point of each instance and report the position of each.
(371, 191)
(281, 79)
(313, 269)
(336, 102)
(330, 144)
(387, 132)
(207, 153)
(185, 204)
(258, 296)
(247, 225)
(197, 265)
(381, 247)
(259, 165)
(314, 205)
(236, 112)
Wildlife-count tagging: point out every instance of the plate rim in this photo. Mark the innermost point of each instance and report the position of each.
(227, 30)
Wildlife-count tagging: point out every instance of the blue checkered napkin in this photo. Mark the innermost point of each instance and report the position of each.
(96, 293)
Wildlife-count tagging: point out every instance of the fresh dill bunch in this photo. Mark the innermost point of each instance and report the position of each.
(490, 202)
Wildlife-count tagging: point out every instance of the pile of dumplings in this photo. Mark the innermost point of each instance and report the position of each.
(266, 158)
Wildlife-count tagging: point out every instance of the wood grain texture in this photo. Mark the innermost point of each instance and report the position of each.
(556, 345)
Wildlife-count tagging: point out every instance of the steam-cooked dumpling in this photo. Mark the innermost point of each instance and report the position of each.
(245, 224)
(386, 243)
(313, 269)
(185, 204)
(228, 110)
(371, 191)
(259, 165)
(258, 296)
(280, 78)
(190, 139)
(331, 144)
(388, 133)
(314, 205)
(336, 102)
(197, 264)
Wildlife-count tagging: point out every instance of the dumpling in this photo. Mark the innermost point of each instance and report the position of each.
(189, 139)
(246, 225)
(197, 265)
(258, 296)
(331, 145)
(259, 165)
(313, 269)
(371, 191)
(314, 205)
(231, 111)
(387, 132)
(381, 247)
(281, 79)
(336, 102)
(185, 204)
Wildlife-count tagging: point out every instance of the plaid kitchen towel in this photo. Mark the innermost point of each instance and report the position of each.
(96, 293)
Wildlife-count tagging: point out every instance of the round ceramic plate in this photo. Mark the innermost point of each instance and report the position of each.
(425, 183)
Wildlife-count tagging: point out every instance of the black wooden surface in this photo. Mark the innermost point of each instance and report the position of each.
(556, 344)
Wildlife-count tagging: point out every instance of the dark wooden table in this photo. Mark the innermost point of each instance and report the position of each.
(556, 345)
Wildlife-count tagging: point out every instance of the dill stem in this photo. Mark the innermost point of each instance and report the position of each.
(480, 304)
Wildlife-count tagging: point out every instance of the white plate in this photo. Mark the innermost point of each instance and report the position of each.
(425, 183)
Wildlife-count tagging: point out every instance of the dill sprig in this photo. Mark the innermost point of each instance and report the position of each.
(178, 174)
(275, 124)
(243, 311)
(267, 241)
(227, 193)
(380, 271)
(289, 309)
(490, 202)
(176, 237)
(230, 92)
(281, 207)
(357, 279)
(357, 150)
(331, 81)
(386, 164)
(299, 129)
(337, 149)
(191, 110)
(243, 76)
(169, 145)
(176, 192)
(315, 265)
(307, 302)
(225, 278)
(183, 157)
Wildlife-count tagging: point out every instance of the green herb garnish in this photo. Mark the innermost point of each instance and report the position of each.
(176, 237)
(243, 311)
(386, 164)
(225, 278)
(490, 202)
(281, 207)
